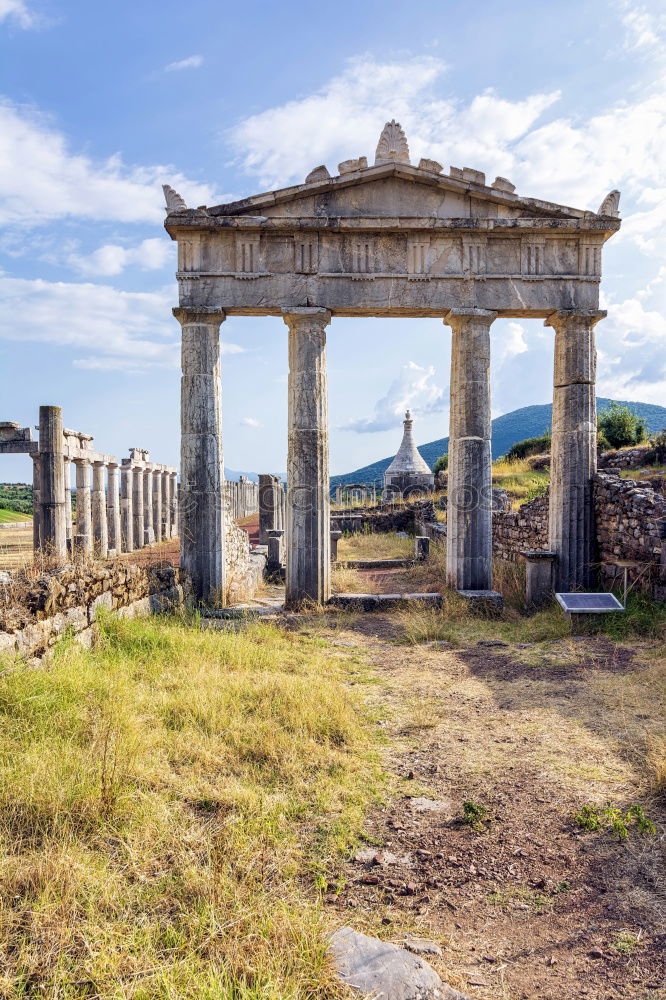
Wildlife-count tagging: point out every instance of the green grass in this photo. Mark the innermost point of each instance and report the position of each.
(170, 805)
(9, 516)
(521, 482)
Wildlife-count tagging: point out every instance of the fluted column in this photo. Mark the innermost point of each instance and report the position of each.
(137, 505)
(157, 505)
(574, 447)
(98, 506)
(148, 531)
(308, 503)
(52, 496)
(69, 527)
(469, 513)
(202, 507)
(126, 507)
(113, 508)
(83, 536)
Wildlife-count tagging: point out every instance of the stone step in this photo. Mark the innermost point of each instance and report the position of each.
(384, 602)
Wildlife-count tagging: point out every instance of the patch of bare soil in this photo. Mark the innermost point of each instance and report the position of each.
(523, 903)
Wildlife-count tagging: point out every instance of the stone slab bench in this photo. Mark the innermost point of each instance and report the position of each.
(383, 602)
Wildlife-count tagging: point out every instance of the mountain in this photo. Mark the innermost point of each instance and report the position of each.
(528, 421)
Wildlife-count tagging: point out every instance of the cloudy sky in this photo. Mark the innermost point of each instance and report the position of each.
(101, 103)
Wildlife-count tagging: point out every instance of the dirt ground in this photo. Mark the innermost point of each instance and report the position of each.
(528, 905)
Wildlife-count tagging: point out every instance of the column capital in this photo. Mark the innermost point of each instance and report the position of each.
(199, 315)
(306, 316)
(561, 317)
(463, 316)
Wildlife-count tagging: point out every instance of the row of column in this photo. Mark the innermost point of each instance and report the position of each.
(355, 495)
(469, 517)
(242, 497)
(124, 508)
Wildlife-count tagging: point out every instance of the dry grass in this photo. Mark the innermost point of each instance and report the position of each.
(345, 580)
(519, 479)
(168, 805)
(375, 545)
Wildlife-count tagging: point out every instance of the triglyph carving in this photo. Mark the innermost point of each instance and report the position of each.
(174, 202)
(610, 205)
(431, 165)
(318, 174)
(349, 166)
(392, 144)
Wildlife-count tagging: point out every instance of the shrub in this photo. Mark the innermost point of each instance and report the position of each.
(441, 464)
(620, 426)
(530, 446)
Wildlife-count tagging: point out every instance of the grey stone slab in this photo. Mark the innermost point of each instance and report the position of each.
(384, 971)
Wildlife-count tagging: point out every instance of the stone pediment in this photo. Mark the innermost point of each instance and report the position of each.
(396, 192)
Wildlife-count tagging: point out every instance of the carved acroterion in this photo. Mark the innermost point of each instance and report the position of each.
(174, 202)
(610, 205)
(392, 144)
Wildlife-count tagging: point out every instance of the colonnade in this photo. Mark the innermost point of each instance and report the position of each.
(242, 497)
(355, 495)
(469, 518)
(120, 506)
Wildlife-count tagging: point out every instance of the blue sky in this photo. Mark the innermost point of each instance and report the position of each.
(101, 103)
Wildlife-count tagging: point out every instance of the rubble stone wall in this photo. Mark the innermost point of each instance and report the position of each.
(245, 569)
(627, 458)
(525, 528)
(631, 524)
(68, 601)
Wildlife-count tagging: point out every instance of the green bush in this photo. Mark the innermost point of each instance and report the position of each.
(441, 464)
(530, 446)
(621, 427)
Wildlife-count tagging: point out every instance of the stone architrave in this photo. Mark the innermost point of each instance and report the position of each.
(201, 509)
(573, 447)
(98, 505)
(113, 508)
(137, 506)
(308, 508)
(83, 540)
(126, 507)
(52, 492)
(469, 512)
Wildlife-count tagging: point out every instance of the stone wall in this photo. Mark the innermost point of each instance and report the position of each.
(631, 525)
(525, 528)
(627, 458)
(245, 568)
(35, 614)
(385, 519)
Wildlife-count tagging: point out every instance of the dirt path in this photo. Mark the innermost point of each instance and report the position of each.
(530, 906)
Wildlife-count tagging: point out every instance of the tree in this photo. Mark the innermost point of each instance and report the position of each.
(441, 464)
(620, 426)
(530, 446)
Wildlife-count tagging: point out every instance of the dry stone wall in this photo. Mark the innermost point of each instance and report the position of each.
(33, 618)
(244, 567)
(627, 458)
(631, 525)
(525, 528)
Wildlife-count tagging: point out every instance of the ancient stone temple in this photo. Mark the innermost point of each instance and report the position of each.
(389, 239)
(408, 472)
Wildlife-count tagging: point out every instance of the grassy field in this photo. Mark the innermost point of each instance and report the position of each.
(170, 805)
(9, 516)
(521, 482)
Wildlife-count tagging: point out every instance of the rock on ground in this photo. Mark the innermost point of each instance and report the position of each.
(384, 971)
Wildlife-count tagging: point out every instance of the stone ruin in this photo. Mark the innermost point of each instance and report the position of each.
(390, 239)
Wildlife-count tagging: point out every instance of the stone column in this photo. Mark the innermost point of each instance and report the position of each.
(175, 505)
(69, 530)
(202, 508)
(36, 502)
(148, 532)
(137, 505)
(538, 576)
(157, 505)
(83, 536)
(165, 481)
(267, 512)
(469, 514)
(308, 490)
(113, 509)
(52, 495)
(126, 507)
(574, 447)
(98, 505)
(335, 538)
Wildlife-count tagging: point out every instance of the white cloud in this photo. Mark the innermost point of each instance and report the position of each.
(192, 62)
(18, 12)
(111, 259)
(643, 28)
(41, 179)
(250, 422)
(632, 352)
(116, 329)
(413, 389)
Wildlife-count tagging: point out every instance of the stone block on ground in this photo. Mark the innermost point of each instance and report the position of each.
(483, 600)
(383, 602)
(381, 970)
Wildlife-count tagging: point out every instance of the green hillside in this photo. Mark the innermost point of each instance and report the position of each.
(528, 421)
